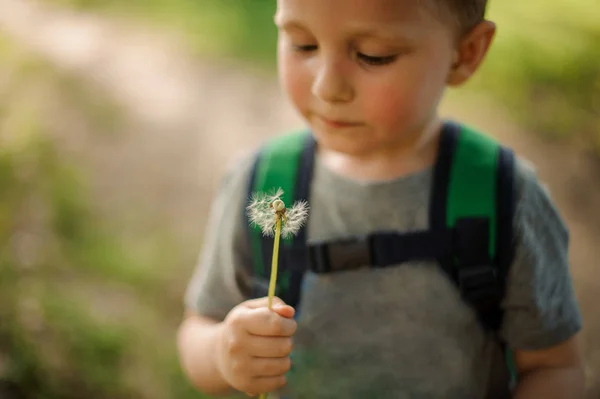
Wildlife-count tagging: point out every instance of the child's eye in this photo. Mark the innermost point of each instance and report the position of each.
(305, 48)
(372, 60)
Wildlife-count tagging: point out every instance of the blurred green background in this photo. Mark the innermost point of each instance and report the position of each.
(93, 263)
(544, 64)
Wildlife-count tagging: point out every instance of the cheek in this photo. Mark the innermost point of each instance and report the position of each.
(387, 105)
(402, 100)
(295, 80)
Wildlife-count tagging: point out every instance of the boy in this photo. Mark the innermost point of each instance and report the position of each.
(368, 75)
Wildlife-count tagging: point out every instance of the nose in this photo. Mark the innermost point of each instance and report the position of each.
(330, 82)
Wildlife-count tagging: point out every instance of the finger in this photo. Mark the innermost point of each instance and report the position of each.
(271, 347)
(262, 302)
(278, 306)
(266, 323)
(266, 384)
(270, 367)
(284, 311)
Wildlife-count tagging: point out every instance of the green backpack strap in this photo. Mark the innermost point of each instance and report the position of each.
(284, 162)
(473, 191)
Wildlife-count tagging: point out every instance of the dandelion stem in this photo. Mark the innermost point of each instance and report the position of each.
(273, 281)
(270, 214)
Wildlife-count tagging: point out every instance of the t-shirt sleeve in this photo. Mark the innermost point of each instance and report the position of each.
(222, 278)
(541, 309)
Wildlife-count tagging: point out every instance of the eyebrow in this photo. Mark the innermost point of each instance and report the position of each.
(379, 33)
(358, 31)
(288, 23)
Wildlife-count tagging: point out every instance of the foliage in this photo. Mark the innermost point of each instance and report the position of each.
(78, 311)
(78, 314)
(543, 66)
(45, 332)
(241, 29)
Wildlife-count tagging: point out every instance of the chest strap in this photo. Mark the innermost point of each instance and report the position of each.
(467, 242)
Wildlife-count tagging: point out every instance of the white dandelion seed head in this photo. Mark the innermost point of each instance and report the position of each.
(274, 195)
(262, 200)
(262, 213)
(297, 216)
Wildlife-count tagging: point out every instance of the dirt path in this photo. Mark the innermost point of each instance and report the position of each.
(183, 112)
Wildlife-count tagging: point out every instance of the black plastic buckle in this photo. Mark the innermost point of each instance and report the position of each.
(347, 254)
(476, 278)
(480, 286)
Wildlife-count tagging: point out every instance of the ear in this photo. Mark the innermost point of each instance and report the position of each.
(471, 51)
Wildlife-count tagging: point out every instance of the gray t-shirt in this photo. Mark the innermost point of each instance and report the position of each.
(396, 332)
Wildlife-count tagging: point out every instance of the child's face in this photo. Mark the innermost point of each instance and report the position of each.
(366, 74)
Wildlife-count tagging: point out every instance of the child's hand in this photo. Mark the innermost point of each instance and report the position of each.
(255, 344)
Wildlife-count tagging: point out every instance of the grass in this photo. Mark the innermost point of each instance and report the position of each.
(82, 315)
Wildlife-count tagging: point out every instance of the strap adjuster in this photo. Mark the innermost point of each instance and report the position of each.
(477, 277)
(480, 285)
(483, 288)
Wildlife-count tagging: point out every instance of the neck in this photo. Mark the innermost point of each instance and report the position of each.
(409, 156)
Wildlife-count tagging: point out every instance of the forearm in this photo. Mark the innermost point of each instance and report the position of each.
(557, 383)
(196, 343)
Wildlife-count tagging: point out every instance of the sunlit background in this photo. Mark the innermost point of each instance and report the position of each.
(117, 119)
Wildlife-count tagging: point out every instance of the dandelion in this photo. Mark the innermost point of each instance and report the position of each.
(265, 209)
(268, 212)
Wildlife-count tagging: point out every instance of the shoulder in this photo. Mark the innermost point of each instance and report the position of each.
(541, 308)
(535, 207)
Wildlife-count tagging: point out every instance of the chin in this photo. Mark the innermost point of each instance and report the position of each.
(349, 145)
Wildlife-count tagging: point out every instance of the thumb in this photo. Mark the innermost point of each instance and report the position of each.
(262, 302)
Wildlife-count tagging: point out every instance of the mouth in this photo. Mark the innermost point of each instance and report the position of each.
(338, 123)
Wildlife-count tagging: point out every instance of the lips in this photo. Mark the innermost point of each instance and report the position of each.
(338, 123)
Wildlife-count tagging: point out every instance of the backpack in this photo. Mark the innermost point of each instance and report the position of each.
(470, 232)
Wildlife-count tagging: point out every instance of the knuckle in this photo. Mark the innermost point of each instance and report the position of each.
(234, 344)
(274, 368)
(245, 385)
(287, 365)
(244, 382)
(275, 324)
(280, 382)
(293, 327)
(234, 321)
(265, 368)
(237, 367)
(287, 346)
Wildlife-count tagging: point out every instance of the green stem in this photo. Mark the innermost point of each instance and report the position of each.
(273, 281)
